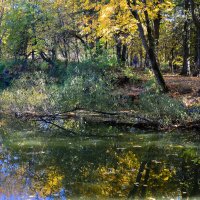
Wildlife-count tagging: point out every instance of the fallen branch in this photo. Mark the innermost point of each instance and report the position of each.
(125, 118)
(56, 125)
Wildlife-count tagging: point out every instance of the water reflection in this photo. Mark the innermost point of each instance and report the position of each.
(48, 165)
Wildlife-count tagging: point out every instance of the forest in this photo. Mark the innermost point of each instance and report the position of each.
(58, 56)
(116, 78)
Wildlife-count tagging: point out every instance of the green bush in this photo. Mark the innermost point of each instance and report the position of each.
(163, 108)
(152, 86)
(10, 64)
(30, 93)
(37, 92)
(97, 64)
(89, 91)
(128, 72)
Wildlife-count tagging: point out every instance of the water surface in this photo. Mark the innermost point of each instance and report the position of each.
(102, 162)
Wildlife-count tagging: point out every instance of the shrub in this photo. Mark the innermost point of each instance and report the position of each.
(88, 91)
(36, 92)
(30, 93)
(163, 108)
(133, 76)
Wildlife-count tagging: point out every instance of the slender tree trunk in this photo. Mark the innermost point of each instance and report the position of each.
(141, 57)
(124, 54)
(47, 59)
(131, 58)
(156, 26)
(134, 190)
(118, 51)
(149, 46)
(196, 21)
(156, 70)
(146, 61)
(34, 43)
(146, 178)
(198, 50)
(121, 50)
(171, 59)
(186, 46)
(77, 50)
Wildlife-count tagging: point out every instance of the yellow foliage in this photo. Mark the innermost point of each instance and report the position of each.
(121, 175)
(51, 184)
(114, 18)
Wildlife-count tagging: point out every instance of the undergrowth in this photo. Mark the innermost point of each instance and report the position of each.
(162, 108)
(37, 92)
(90, 86)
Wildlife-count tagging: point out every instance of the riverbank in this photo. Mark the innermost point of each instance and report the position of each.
(104, 95)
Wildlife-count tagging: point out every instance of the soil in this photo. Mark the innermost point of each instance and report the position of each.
(184, 88)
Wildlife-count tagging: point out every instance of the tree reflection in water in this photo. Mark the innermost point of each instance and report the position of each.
(34, 165)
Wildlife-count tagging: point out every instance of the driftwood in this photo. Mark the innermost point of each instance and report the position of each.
(118, 118)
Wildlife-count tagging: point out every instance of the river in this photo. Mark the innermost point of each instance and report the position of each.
(101, 162)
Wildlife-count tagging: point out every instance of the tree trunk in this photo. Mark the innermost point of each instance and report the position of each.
(149, 46)
(171, 59)
(146, 178)
(156, 70)
(77, 50)
(134, 190)
(198, 51)
(196, 21)
(118, 51)
(47, 59)
(146, 61)
(141, 57)
(186, 46)
(121, 50)
(124, 54)
(156, 24)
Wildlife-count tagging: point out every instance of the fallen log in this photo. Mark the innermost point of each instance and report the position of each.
(117, 118)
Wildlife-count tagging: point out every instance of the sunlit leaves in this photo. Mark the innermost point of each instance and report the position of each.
(107, 19)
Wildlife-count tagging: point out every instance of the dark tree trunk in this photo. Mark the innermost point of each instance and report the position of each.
(121, 50)
(99, 47)
(131, 58)
(34, 43)
(77, 50)
(141, 57)
(149, 46)
(134, 190)
(196, 20)
(156, 70)
(146, 61)
(186, 40)
(156, 24)
(198, 51)
(146, 178)
(124, 54)
(47, 59)
(64, 52)
(118, 49)
(54, 53)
